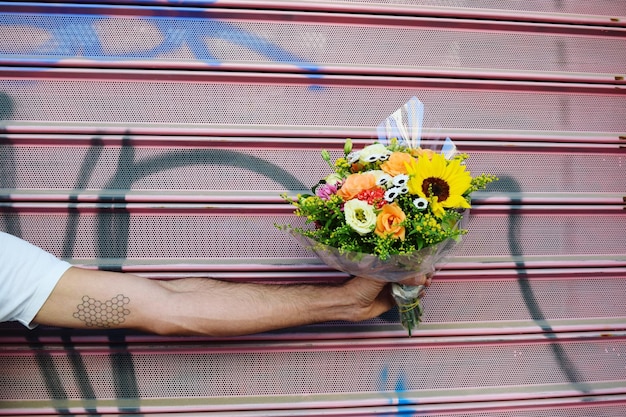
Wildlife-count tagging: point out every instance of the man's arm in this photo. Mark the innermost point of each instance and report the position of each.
(97, 299)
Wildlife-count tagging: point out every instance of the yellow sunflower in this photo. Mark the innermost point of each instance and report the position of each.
(440, 181)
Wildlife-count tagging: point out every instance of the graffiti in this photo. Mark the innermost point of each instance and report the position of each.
(185, 34)
(124, 376)
(113, 232)
(51, 377)
(8, 162)
(72, 36)
(565, 364)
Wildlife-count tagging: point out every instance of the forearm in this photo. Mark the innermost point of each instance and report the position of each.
(98, 299)
(206, 306)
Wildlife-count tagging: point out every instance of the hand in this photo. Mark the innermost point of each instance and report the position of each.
(371, 298)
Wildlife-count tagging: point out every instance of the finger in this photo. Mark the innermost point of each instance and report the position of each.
(429, 280)
(386, 300)
(422, 279)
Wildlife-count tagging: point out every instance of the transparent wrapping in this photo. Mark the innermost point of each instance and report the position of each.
(394, 269)
(384, 200)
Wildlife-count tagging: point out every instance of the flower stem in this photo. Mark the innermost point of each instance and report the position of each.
(408, 298)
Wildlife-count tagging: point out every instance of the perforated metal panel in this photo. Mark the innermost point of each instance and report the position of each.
(210, 169)
(481, 300)
(376, 375)
(215, 40)
(279, 104)
(591, 7)
(109, 158)
(525, 236)
(278, 169)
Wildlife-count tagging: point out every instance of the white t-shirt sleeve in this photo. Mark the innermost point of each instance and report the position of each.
(28, 275)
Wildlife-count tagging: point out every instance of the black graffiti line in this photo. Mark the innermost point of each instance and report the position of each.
(216, 157)
(52, 379)
(532, 305)
(124, 375)
(114, 230)
(84, 175)
(81, 376)
(118, 228)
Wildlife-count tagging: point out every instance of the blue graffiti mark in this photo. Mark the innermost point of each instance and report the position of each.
(400, 388)
(70, 37)
(384, 376)
(75, 35)
(179, 35)
(178, 2)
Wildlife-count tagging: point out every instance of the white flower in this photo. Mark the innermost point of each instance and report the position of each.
(333, 179)
(352, 157)
(360, 216)
(373, 153)
(392, 193)
(400, 180)
(420, 203)
(382, 178)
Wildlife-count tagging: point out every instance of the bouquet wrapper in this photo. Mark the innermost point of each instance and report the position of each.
(395, 269)
(404, 126)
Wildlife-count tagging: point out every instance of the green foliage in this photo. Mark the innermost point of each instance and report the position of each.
(422, 228)
(480, 182)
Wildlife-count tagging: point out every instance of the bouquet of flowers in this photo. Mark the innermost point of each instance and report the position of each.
(392, 210)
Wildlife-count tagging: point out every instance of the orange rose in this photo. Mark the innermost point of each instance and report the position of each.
(388, 222)
(417, 152)
(395, 164)
(356, 183)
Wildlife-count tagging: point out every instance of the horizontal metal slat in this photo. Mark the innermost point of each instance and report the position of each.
(597, 12)
(125, 102)
(458, 303)
(135, 169)
(317, 42)
(126, 234)
(592, 406)
(410, 371)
